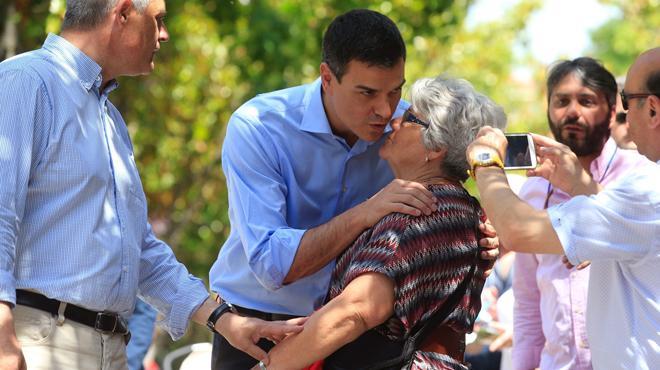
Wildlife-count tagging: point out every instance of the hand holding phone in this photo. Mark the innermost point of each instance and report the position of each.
(520, 153)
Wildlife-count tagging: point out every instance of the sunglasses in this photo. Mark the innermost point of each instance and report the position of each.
(625, 97)
(409, 117)
(620, 118)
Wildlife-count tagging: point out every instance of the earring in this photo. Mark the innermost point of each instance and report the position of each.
(427, 158)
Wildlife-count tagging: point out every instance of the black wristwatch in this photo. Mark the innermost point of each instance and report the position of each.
(215, 315)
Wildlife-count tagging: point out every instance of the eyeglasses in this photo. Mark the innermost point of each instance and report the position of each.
(625, 97)
(409, 117)
(620, 118)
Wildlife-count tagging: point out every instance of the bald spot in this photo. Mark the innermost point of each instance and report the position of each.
(644, 65)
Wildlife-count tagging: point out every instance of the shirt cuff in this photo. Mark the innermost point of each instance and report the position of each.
(190, 295)
(277, 263)
(562, 226)
(7, 287)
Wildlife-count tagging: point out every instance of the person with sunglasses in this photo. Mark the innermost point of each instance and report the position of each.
(549, 315)
(617, 228)
(304, 177)
(403, 269)
(619, 123)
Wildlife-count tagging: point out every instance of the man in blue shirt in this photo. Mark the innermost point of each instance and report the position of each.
(75, 244)
(305, 179)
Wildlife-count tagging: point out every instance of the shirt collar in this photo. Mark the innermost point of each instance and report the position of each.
(82, 66)
(314, 118)
(600, 165)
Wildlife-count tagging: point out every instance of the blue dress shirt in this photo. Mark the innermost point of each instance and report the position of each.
(73, 215)
(286, 173)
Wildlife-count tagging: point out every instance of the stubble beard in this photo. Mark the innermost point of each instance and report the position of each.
(594, 138)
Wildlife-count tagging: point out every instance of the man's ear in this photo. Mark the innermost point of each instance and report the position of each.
(326, 76)
(122, 10)
(654, 111)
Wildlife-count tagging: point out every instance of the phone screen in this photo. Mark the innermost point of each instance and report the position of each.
(520, 153)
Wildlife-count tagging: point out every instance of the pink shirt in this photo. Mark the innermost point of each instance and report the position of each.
(551, 300)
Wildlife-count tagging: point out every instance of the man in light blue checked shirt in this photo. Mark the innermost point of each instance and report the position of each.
(76, 247)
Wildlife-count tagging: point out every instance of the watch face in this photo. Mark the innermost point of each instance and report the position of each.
(485, 156)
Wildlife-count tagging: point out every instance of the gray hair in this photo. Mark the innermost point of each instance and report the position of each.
(455, 113)
(86, 14)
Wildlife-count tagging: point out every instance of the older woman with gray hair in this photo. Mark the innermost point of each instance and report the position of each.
(406, 270)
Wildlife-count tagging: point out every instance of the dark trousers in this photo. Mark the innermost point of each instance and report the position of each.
(225, 357)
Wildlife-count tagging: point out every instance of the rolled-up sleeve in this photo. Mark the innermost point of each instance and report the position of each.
(619, 224)
(257, 195)
(25, 116)
(167, 285)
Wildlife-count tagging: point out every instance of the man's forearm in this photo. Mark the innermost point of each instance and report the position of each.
(324, 243)
(519, 226)
(204, 311)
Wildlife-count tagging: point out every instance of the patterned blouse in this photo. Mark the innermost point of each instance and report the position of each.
(427, 257)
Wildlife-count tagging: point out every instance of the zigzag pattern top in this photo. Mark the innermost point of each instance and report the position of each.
(427, 257)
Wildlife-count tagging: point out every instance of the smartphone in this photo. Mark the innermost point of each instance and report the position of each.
(520, 153)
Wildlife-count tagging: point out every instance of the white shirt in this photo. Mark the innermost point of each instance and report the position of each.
(619, 231)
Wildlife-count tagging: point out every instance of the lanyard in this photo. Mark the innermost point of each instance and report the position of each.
(551, 189)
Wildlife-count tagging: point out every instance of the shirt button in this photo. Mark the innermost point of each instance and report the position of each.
(344, 189)
(125, 269)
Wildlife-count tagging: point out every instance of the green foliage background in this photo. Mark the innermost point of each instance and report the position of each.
(224, 52)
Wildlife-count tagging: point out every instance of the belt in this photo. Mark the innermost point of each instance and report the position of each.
(103, 322)
(267, 316)
(446, 341)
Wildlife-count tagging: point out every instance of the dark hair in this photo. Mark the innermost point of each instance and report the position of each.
(591, 73)
(363, 35)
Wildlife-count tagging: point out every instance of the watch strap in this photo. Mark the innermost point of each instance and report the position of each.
(215, 315)
(493, 160)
